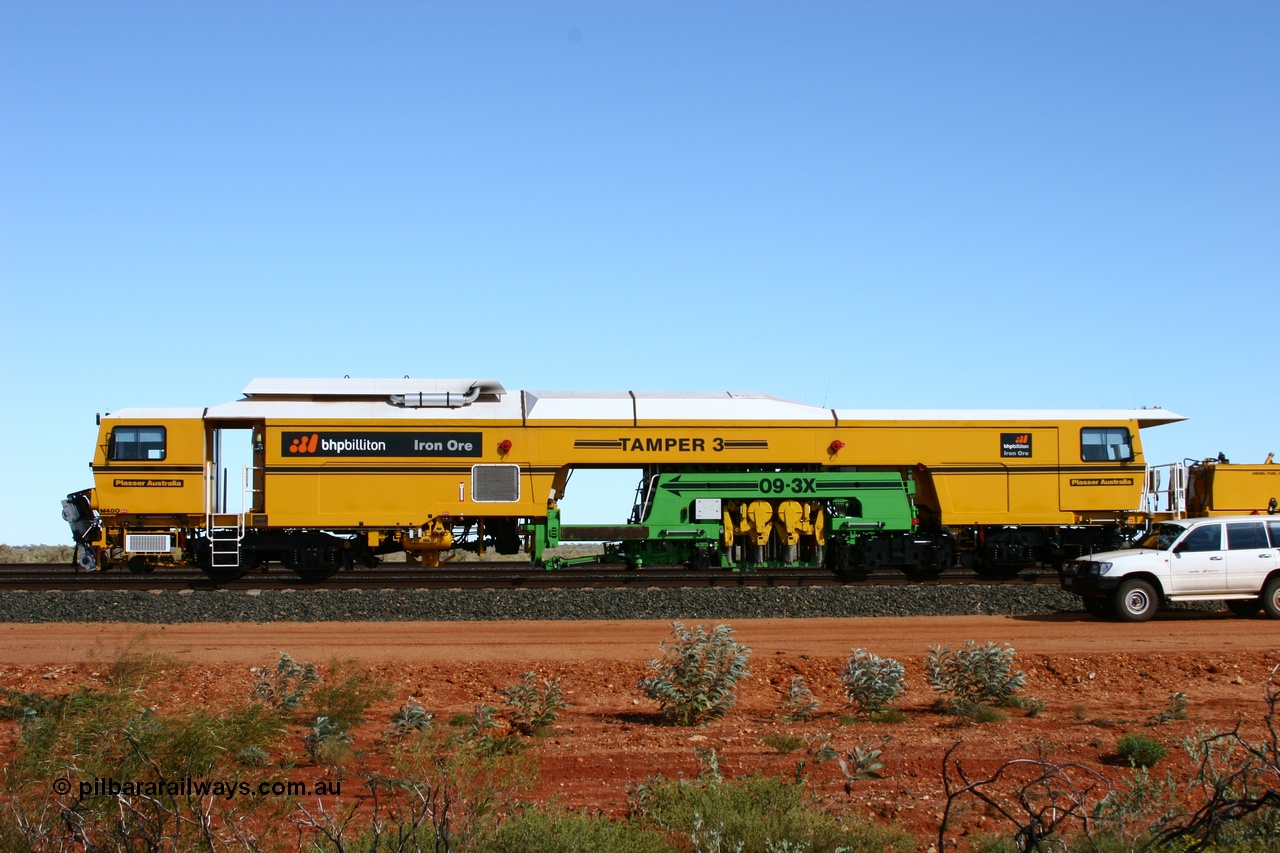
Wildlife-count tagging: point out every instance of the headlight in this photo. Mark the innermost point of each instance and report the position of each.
(1099, 568)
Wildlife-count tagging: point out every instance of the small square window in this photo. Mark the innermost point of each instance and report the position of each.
(1106, 444)
(130, 444)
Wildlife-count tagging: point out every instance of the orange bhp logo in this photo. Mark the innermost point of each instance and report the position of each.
(305, 444)
(1022, 439)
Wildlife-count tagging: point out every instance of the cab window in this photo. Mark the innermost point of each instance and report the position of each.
(1246, 535)
(1205, 538)
(135, 443)
(1274, 528)
(1106, 444)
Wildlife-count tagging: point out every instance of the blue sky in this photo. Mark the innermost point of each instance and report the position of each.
(871, 205)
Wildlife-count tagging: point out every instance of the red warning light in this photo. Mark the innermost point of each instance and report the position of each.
(836, 446)
(504, 447)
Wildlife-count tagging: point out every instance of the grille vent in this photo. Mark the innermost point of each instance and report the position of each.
(495, 483)
(148, 543)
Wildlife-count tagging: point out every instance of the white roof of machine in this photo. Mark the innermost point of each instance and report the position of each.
(1145, 417)
(370, 399)
(579, 405)
(156, 414)
(725, 406)
(367, 387)
(372, 409)
(667, 406)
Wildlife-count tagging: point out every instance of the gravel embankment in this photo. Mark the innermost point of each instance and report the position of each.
(317, 605)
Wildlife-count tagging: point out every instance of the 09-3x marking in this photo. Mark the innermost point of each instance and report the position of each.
(799, 485)
(679, 484)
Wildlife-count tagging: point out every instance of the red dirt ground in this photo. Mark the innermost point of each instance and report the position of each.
(1100, 680)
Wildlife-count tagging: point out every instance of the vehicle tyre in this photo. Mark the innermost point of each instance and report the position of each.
(1271, 597)
(1136, 601)
(1245, 606)
(1100, 608)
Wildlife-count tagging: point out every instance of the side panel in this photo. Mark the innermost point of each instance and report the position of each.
(355, 476)
(1100, 488)
(1226, 489)
(171, 484)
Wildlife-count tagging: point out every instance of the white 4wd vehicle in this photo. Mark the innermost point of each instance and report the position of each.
(1232, 558)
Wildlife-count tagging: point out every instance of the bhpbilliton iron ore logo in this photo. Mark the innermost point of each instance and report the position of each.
(375, 444)
(1015, 445)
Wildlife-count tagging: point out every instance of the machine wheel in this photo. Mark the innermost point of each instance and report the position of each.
(217, 574)
(1002, 572)
(923, 573)
(1099, 608)
(314, 574)
(223, 574)
(1245, 606)
(139, 566)
(839, 559)
(89, 560)
(1271, 597)
(1136, 601)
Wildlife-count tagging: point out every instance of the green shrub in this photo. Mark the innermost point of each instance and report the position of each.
(1140, 750)
(1176, 710)
(345, 696)
(783, 743)
(326, 742)
(799, 704)
(871, 682)
(36, 553)
(1028, 704)
(1127, 816)
(485, 735)
(438, 793)
(114, 733)
(754, 814)
(568, 832)
(283, 686)
(977, 712)
(694, 679)
(889, 716)
(975, 674)
(533, 705)
(861, 762)
(411, 717)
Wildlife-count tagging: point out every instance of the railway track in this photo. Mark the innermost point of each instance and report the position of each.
(44, 577)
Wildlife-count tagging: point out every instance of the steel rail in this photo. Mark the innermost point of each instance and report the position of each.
(45, 577)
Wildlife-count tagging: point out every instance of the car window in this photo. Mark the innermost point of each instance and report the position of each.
(1243, 535)
(1162, 536)
(1207, 537)
(1274, 527)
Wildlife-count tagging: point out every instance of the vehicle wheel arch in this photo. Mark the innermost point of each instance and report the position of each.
(1150, 578)
(1137, 598)
(1269, 595)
